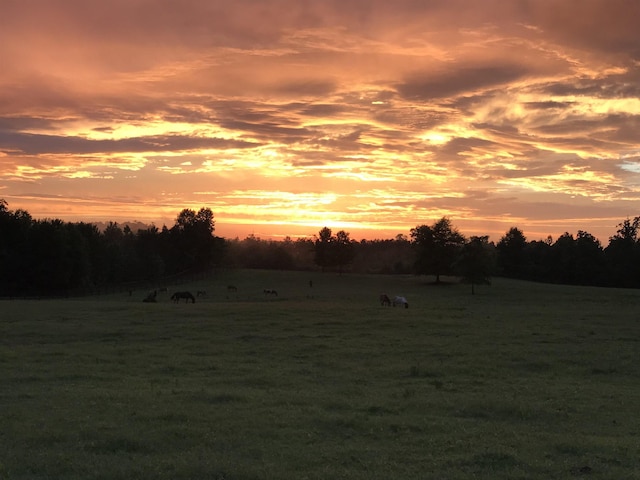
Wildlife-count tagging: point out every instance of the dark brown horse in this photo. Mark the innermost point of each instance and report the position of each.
(385, 300)
(186, 295)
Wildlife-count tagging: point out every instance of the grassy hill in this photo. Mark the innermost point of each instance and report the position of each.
(520, 381)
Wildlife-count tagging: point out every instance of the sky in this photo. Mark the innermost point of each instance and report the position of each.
(285, 116)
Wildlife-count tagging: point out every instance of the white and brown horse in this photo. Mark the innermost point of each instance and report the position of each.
(400, 301)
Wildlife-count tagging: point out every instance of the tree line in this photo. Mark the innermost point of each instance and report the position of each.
(52, 257)
(579, 260)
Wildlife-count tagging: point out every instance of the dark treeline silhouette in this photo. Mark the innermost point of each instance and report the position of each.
(579, 260)
(55, 258)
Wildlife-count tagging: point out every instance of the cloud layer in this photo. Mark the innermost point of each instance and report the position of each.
(289, 115)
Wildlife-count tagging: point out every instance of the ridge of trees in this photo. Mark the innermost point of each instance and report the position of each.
(52, 257)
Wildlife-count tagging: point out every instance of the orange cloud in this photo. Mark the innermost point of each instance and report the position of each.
(293, 114)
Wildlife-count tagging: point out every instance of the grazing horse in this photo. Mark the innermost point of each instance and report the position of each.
(385, 300)
(232, 288)
(269, 291)
(186, 295)
(398, 300)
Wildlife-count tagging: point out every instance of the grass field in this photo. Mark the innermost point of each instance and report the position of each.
(520, 381)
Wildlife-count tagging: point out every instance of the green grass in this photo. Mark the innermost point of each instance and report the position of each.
(520, 381)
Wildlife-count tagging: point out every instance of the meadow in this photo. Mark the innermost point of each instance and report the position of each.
(519, 381)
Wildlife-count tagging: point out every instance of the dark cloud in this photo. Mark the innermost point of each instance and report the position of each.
(20, 123)
(36, 144)
(323, 110)
(348, 142)
(271, 132)
(432, 86)
(501, 129)
(611, 128)
(461, 145)
(614, 86)
(609, 26)
(548, 105)
(312, 87)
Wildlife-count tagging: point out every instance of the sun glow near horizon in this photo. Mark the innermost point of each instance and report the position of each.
(364, 116)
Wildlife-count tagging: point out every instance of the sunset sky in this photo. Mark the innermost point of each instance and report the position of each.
(286, 116)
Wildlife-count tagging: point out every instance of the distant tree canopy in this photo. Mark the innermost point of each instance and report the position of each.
(579, 260)
(512, 254)
(192, 238)
(52, 257)
(437, 247)
(333, 251)
(623, 254)
(476, 262)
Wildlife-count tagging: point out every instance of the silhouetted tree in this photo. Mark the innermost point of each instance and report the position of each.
(193, 238)
(115, 266)
(590, 264)
(623, 254)
(538, 255)
(343, 250)
(56, 259)
(436, 247)
(323, 248)
(149, 249)
(562, 265)
(14, 249)
(476, 262)
(511, 250)
(302, 252)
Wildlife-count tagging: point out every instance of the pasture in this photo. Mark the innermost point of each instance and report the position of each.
(520, 381)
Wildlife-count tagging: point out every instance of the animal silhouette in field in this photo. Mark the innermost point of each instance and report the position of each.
(186, 295)
(385, 300)
(400, 301)
(232, 288)
(270, 291)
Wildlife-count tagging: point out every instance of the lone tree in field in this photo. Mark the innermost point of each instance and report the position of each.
(437, 247)
(476, 262)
